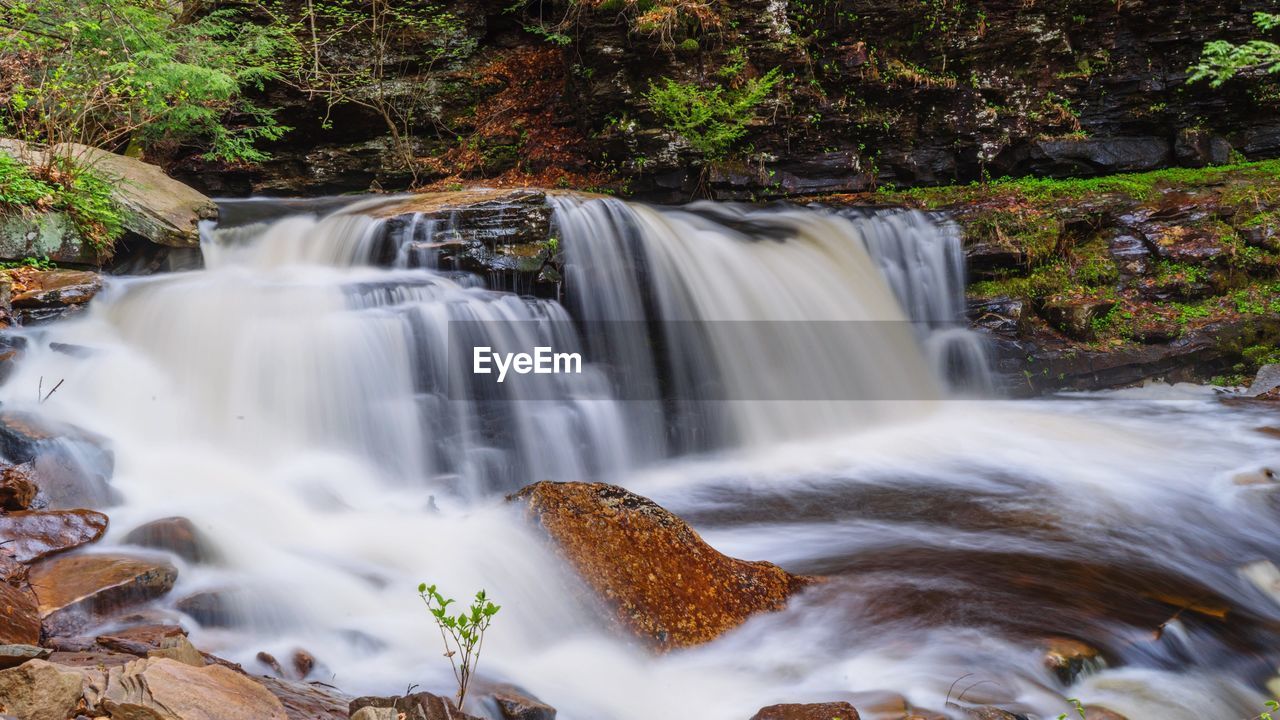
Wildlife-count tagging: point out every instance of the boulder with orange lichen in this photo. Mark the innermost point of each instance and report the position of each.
(660, 580)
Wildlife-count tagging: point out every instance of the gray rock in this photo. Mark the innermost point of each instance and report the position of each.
(15, 655)
(1267, 380)
(156, 206)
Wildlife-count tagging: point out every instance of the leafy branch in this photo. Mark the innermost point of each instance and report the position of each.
(462, 634)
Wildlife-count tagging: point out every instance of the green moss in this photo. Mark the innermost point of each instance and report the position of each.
(1140, 186)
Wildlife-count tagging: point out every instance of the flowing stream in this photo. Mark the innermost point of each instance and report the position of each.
(794, 382)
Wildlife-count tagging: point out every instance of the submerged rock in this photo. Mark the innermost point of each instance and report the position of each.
(812, 711)
(1069, 659)
(34, 534)
(512, 703)
(74, 589)
(177, 535)
(70, 466)
(17, 490)
(663, 583)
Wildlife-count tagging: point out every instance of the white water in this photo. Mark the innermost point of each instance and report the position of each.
(291, 405)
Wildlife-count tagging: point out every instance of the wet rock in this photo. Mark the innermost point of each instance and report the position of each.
(998, 315)
(211, 608)
(163, 689)
(1130, 253)
(70, 466)
(19, 616)
(1093, 712)
(141, 639)
(177, 535)
(178, 648)
(663, 584)
(308, 701)
(303, 663)
(1075, 316)
(40, 690)
(156, 206)
(15, 655)
(57, 289)
(512, 703)
(270, 661)
(34, 534)
(418, 706)
(1069, 659)
(813, 711)
(375, 713)
(77, 588)
(17, 490)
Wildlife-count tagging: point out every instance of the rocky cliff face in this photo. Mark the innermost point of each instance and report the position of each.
(909, 92)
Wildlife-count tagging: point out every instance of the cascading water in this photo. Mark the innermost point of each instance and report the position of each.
(299, 405)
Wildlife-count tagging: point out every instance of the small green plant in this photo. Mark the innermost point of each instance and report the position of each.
(1079, 708)
(63, 186)
(710, 119)
(462, 634)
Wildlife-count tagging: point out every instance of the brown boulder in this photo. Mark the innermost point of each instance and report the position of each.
(17, 491)
(56, 288)
(74, 586)
(164, 689)
(34, 534)
(141, 639)
(1093, 712)
(19, 616)
(177, 535)
(812, 711)
(40, 690)
(663, 583)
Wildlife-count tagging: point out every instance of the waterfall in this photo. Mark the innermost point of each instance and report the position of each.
(771, 374)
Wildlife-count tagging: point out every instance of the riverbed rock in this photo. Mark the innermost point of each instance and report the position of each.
(1094, 712)
(416, 706)
(1075, 315)
(70, 465)
(17, 490)
(177, 535)
(512, 703)
(40, 690)
(1069, 658)
(15, 655)
(75, 589)
(156, 206)
(164, 689)
(51, 289)
(210, 608)
(661, 581)
(34, 534)
(308, 701)
(140, 639)
(811, 711)
(19, 616)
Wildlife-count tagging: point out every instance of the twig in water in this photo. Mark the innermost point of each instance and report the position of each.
(51, 392)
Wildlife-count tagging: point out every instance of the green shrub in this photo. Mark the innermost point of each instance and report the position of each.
(109, 72)
(711, 119)
(79, 192)
(1221, 60)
